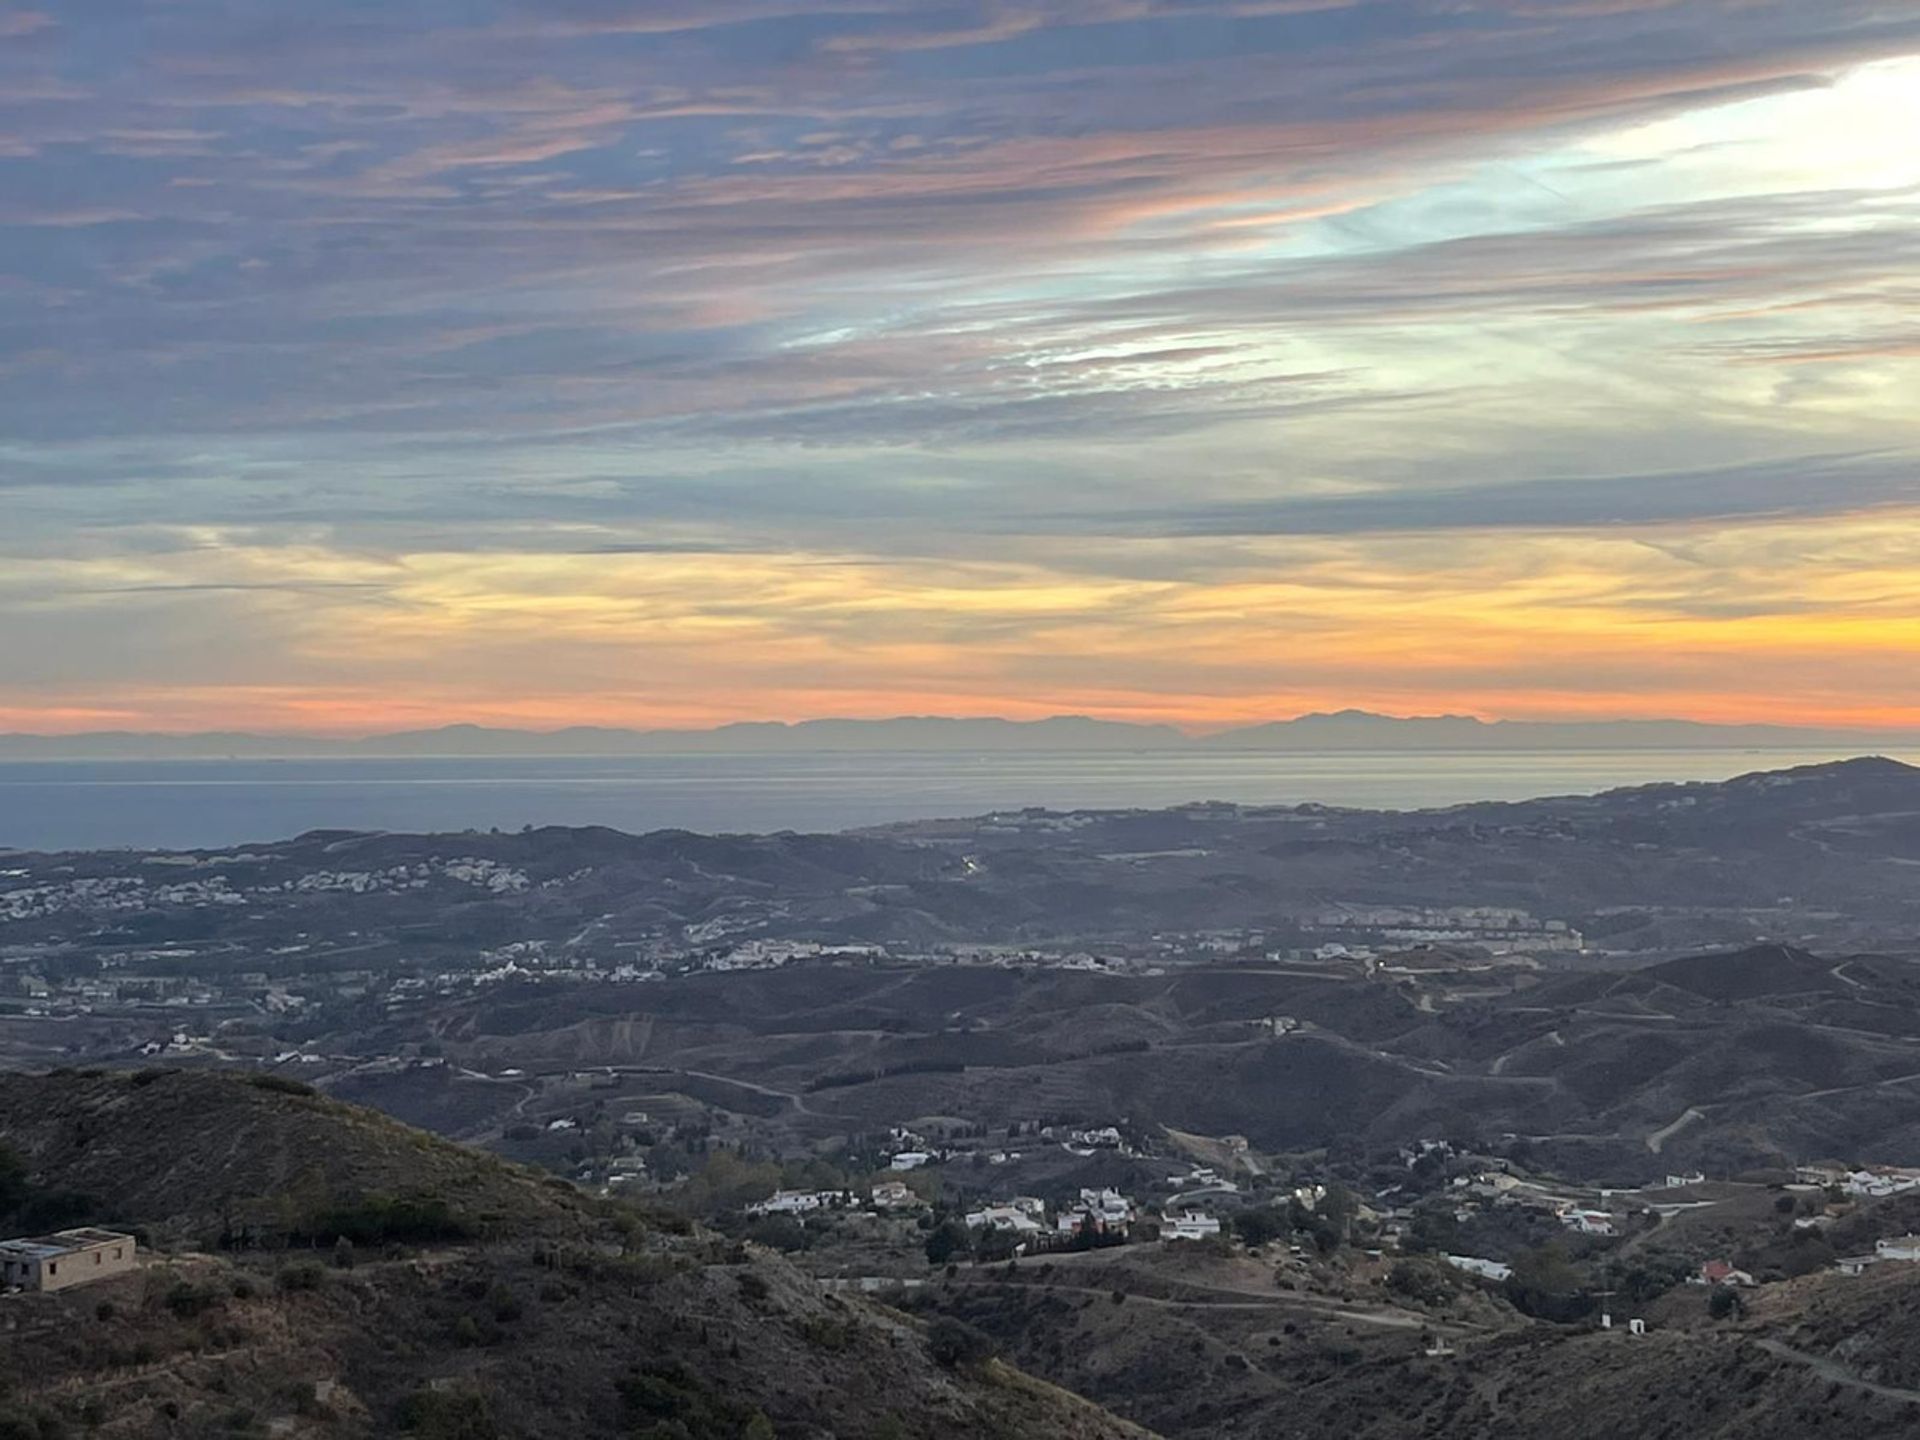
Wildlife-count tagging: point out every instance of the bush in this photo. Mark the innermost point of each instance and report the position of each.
(1422, 1283)
(281, 1085)
(448, 1415)
(672, 1403)
(504, 1304)
(825, 1334)
(187, 1301)
(954, 1343)
(383, 1219)
(303, 1275)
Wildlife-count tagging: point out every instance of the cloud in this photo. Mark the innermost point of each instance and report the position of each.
(1807, 486)
(1137, 299)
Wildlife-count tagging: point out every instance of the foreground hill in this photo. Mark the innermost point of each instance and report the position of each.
(480, 1300)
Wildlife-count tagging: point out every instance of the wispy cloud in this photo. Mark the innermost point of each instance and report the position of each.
(1000, 352)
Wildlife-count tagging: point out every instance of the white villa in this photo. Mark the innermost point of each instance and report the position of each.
(1190, 1225)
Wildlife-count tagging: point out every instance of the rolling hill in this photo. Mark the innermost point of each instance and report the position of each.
(479, 1300)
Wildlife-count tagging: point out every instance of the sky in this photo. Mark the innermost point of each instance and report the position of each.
(669, 362)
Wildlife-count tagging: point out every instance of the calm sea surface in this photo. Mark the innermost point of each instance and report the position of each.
(100, 804)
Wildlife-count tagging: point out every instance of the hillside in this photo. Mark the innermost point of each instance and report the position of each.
(481, 1301)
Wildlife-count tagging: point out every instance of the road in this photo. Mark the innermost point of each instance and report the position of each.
(1689, 1116)
(1837, 1374)
(1237, 1300)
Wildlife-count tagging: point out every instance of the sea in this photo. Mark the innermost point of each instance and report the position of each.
(189, 804)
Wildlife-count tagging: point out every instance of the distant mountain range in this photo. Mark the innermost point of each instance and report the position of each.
(1346, 730)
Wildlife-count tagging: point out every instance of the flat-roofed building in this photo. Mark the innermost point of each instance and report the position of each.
(65, 1259)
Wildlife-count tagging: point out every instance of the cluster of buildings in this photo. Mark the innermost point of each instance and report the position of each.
(1103, 1212)
(772, 954)
(886, 1195)
(1498, 929)
(1897, 1248)
(106, 894)
(1869, 1182)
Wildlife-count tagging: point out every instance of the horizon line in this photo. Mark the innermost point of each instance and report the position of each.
(1185, 731)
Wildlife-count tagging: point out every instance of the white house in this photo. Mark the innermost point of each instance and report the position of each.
(1004, 1217)
(1474, 1265)
(1189, 1225)
(794, 1202)
(1675, 1182)
(1878, 1181)
(1898, 1247)
(1588, 1222)
(894, 1195)
(1104, 1209)
(911, 1159)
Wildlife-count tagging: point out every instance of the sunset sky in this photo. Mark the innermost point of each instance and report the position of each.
(380, 363)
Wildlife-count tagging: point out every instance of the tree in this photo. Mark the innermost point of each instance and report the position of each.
(13, 1179)
(1421, 1281)
(1725, 1304)
(1545, 1283)
(1434, 1229)
(948, 1239)
(1258, 1226)
(1339, 1207)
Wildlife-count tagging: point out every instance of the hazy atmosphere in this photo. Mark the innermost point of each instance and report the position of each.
(670, 362)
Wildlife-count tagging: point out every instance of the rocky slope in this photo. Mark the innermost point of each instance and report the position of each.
(480, 1301)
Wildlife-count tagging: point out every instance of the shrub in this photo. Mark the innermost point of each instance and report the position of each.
(504, 1304)
(303, 1275)
(1422, 1283)
(281, 1085)
(448, 1415)
(379, 1219)
(671, 1402)
(825, 1334)
(187, 1300)
(954, 1343)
